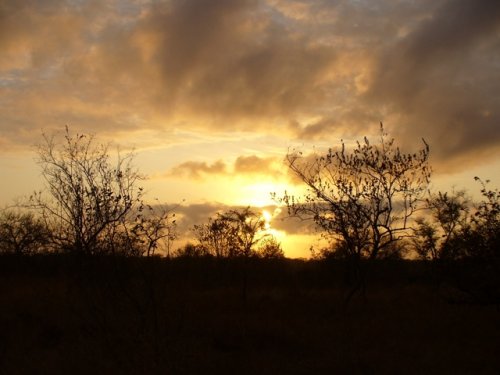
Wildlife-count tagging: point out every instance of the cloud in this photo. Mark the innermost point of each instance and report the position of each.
(64, 63)
(233, 59)
(347, 123)
(197, 170)
(255, 165)
(243, 165)
(312, 70)
(116, 66)
(195, 214)
(282, 221)
(437, 81)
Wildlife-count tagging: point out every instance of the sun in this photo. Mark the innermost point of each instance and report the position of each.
(260, 194)
(268, 229)
(267, 219)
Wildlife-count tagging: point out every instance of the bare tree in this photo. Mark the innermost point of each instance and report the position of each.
(94, 204)
(156, 227)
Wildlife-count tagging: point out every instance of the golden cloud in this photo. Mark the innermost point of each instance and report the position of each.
(243, 165)
(426, 68)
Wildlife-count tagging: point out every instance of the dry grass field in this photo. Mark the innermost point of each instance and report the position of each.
(191, 316)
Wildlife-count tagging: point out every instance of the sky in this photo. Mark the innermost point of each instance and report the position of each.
(211, 94)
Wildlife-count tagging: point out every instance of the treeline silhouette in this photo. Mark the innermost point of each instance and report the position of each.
(369, 202)
(83, 287)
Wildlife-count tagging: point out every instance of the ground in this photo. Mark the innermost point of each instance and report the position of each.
(64, 315)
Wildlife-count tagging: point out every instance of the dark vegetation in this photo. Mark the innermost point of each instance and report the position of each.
(83, 289)
(64, 314)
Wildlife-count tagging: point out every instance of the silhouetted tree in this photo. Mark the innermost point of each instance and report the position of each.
(95, 204)
(361, 198)
(216, 237)
(248, 230)
(449, 220)
(465, 238)
(22, 233)
(154, 226)
(234, 233)
(147, 229)
(191, 250)
(426, 240)
(457, 229)
(486, 222)
(270, 248)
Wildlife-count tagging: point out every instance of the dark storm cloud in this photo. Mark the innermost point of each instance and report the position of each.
(441, 80)
(456, 27)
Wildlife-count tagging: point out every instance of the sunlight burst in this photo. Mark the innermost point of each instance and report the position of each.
(267, 219)
(259, 194)
(268, 230)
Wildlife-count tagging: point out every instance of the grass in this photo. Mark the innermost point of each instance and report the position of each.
(63, 315)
